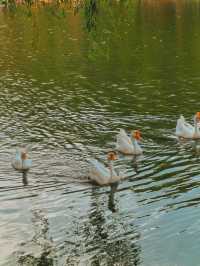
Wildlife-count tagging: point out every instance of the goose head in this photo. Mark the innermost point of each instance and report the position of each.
(197, 117)
(112, 156)
(136, 135)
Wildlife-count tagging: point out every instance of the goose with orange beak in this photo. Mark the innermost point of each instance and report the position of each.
(21, 161)
(129, 145)
(102, 175)
(187, 131)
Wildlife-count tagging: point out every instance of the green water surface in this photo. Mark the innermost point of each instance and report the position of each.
(68, 82)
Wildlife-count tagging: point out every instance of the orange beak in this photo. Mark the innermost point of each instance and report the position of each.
(137, 135)
(198, 116)
(112, 156)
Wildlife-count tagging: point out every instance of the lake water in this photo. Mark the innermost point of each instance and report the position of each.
(68, 83)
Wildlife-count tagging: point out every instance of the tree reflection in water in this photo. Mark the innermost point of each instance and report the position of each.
(103, 238)
(91, 11)
(39, 250)
(116, 241)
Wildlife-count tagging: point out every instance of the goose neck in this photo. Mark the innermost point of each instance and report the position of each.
(196, 129)
(111, 167)
(134, 141)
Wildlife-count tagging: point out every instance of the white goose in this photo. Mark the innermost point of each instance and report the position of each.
(103, 175)
(21, 161)
(187, 131)
(129, 145)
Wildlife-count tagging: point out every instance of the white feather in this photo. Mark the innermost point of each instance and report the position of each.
(186, 130)
(126, 145)
(101, 174)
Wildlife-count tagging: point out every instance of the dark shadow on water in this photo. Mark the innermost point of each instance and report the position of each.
(135, 163)
(39, 250)
(102, 237)
(108, 238)
(25, 178)
(111, 199)
(91, 11)
(196, 147)
(31, 260)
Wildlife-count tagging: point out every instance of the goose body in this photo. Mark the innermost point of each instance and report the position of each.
(101, 174)
(186, 130)
(127, 145)
(21, 163)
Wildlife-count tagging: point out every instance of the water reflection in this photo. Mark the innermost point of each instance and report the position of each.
(91, 11)
(135, 162)
(67, 92)
(39, 250)
(111, 199)
(25, 178)
(108, 241)
(196, 147)
(167, 8)
(101, 236)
